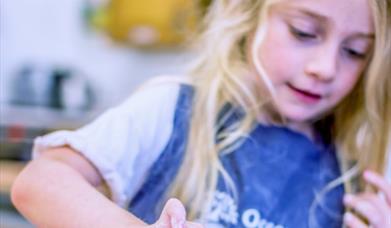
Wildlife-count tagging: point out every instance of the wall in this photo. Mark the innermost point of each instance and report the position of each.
(51, 33)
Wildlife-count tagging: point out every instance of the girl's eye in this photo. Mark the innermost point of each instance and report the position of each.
(355, 54)
(302, 35)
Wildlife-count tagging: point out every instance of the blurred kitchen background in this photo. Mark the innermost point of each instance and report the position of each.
(63, 62)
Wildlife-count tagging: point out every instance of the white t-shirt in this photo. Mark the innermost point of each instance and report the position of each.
(123, 142)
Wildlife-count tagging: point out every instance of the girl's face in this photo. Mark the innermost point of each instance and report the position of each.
(314, 52)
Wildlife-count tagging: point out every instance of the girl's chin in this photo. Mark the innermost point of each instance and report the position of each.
(300, 116)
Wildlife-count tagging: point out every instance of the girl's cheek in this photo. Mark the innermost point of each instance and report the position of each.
(349, 80)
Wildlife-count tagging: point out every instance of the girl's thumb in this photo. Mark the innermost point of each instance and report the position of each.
(173, 215)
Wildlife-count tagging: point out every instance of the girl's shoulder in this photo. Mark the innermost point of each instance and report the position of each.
(156, 99)
(159, 91)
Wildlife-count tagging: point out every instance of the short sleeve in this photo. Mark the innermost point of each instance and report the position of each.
(123, 142)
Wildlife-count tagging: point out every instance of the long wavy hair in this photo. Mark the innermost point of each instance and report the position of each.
(361, 122)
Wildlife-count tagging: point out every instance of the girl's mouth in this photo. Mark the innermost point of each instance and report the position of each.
(305, 96)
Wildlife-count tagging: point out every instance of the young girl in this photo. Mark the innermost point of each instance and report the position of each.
(284, 122)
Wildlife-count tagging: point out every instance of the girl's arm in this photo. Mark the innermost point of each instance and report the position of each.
(58, 189)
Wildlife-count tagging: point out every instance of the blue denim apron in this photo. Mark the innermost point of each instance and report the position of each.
(277, 173)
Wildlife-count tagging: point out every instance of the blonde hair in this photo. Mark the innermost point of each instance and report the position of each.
(362, 124)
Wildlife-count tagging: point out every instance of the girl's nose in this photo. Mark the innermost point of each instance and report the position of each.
(323, 64)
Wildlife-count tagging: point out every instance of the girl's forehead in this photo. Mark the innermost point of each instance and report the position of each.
(346, 15)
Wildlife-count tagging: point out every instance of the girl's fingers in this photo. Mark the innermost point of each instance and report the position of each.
(379, 182)
(172, 216)
(370, 206)
(352, 221)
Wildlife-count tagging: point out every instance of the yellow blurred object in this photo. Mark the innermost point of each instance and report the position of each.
(151, 22)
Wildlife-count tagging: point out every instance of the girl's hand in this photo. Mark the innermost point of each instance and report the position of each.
(174, 216)
(373, 208)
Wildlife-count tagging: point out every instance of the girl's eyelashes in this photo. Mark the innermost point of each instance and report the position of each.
(355, 54)
(301, 34)
(312, 34)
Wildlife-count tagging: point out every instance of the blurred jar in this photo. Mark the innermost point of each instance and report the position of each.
(54, 87)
